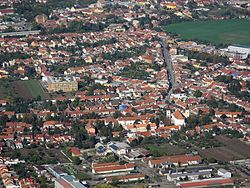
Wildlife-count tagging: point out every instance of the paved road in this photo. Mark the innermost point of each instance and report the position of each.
(161, 181)
(169, 66)
(20, 33)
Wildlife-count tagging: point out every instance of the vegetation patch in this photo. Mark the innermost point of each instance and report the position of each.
(135, 72)
(234, 31)
(233, 149)
(28, 89)
(158, 150)
(5, 89)
(34, 88)
(38, 155)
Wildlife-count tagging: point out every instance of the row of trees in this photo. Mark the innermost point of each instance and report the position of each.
(211, 58)
(30, 9)
(7, 56)
(79, 26)
(82, 27)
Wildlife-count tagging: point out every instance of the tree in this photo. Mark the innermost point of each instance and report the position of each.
(117, 114)
(192, 121)
(148, 127)
(211, 112)
(104, 186)
(15, 154)
(212, 103)
(205, 119)
(234, 86)
(223, 116)
(224, 79)
(117, 127)
(42, 180)
(115, 181)
(186, 178)
(197, 93)
(200, 177)
(76, 161)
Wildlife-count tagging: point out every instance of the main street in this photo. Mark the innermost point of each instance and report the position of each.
(169, 66)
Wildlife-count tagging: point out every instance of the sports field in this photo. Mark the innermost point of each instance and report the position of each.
(34, 88)
(236, 31)
(28, 89)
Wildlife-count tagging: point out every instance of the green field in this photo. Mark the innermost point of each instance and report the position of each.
(217, 32)
(163, 149)
(34, 88)
(25, 89)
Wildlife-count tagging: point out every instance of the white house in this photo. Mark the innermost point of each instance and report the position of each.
(224, 173)
(119, 148)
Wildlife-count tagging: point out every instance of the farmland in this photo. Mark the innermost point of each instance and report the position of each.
(232, 149)
(213, 31)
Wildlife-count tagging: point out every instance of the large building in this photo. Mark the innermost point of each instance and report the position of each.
(236, 51)
(239, 49)
(68, 181)
(65, 84)
(212, 182)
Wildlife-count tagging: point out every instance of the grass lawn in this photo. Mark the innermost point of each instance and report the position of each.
(235, 31)
(164, 149)
(34, 88)
(24, 89)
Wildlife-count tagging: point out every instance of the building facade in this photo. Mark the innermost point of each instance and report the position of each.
(65, 84)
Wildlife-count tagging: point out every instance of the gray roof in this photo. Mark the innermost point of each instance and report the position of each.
(189, 174)
(73, 181)
(240, 46)
(222, 170)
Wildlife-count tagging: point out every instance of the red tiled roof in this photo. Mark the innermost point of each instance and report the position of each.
(175, 159)
(98, 165)
(210, 182)
(75, 151)
(64, 183)
(178, 115)
(118, 167)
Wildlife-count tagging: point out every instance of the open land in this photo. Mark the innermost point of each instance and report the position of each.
(28, 89)
(235, 31)
(44, 155)
(24, 89)
(164, 149)
(233, 149)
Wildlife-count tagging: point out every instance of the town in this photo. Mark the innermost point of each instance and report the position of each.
(107, 94)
